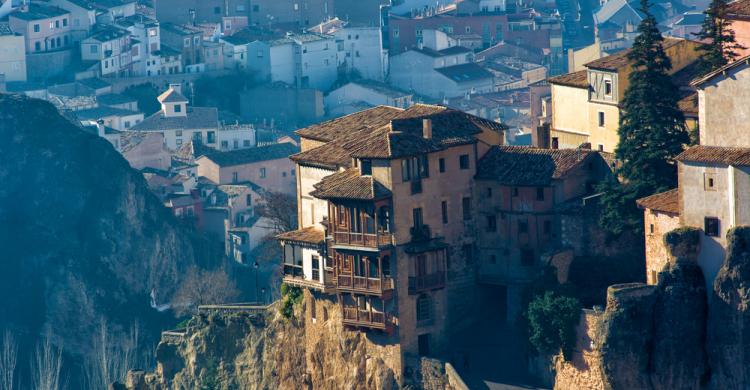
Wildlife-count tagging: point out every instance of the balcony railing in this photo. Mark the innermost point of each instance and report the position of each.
(370, 240)
(428, 282)
(294, 271)
(363, 284)
(367, 318)
(294, 275)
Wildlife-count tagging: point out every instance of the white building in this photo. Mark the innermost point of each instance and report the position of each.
(12, 55)
(351, 97)
(303, 60)
(116, 118)
(439, 74)
(360, 48)
(181, 123)
(111, 48)
(147, 46)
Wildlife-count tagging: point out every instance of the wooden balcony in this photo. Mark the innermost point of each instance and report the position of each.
(368, 240)
(354, 316)
(293, 275)
(361, 284)
(429, 282)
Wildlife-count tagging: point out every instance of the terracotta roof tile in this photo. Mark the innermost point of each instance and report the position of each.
(310, 234)
(716, 155)
(620, 59)
(251, 155)
(576, 79)
(667, 201)
(367, 119)
(349, 184)
(399, 137)
(739, 8)
(527, 166)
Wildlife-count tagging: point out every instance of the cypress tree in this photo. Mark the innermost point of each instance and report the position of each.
(652, 130)
(718, 45)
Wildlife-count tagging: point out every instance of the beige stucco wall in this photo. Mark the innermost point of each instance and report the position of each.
(724, 110)
(570, 116)
(656, 225)
(311, 210)
(606, 135)
(696, 203)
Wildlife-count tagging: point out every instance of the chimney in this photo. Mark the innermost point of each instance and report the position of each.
(177, 87)
(427, 128)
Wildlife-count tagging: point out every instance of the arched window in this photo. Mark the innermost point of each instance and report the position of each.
(424, 308)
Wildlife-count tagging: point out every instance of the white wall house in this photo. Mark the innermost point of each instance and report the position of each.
(147, 48)
(113, 51)
(349, 97)
(12, 55)
(303, 60)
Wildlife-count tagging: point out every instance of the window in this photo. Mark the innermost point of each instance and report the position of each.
(601, 119)
(152, 32)
(187, 42)
(547, 227)
(217, 10)
(515, 192)
(523, 227)
(608, 87)
(312, 308)
(601, 147)
(540, 194)
(709, 181)
(249, 200)
(424, 308)
(527, 256)
(492, 223)
(416, 215)
(36, 28)
(178, 108)
(127, 124)
(405, 170)
(57, 24)
(263, 173)
(366, 167)
(555, 143)
(211, 137)
(246, 143)
(466, 207)
(488, 192)
(38, 46)
(423, 344)
(651, 228)
(468, 252)
(256, 8)
(178, 133)
(235, 177)
(463, 161)
(441, 164)
(711, 226)
(65, 22)
(225, 144)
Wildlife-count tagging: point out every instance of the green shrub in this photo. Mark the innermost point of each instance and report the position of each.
(290, 297)
(552, 322)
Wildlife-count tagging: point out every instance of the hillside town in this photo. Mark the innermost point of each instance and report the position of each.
(456, 194)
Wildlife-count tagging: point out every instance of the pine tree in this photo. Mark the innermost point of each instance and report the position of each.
(652, 129)
(719, 46)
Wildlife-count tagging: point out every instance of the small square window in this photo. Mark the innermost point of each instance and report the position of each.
(463, 161)
(711, 226)
(608, 87)
(36, 28)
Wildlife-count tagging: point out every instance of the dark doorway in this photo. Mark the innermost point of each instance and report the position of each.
(424, 344)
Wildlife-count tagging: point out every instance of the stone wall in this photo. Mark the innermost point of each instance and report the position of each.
(583, 369)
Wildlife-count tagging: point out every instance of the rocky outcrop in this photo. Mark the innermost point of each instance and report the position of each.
(729, 316)
(82, 237)
(649, 336)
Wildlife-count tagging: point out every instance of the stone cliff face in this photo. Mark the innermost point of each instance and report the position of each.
(81, 236)
(729, 316)
(650, 337)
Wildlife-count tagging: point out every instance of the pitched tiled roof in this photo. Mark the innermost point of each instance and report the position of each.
(251, 155)
(310, 234)
(620, 59)
(330, 130)
(578, 79)
(527, 166)
(171, 96)
(400, 137)
(739, 8)
(195, 118)
(667, 201)
(465, 72)
(744, 61)
(716, 155)
(349, 184)
(102, 112)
